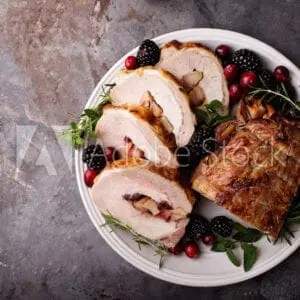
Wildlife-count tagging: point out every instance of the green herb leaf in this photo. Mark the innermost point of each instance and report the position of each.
(247, 235)
(233, 258)
(250, 256)
(239, 227)
(73, 125)
(211, 114)
(251, 236)
(78, 133)
(92, 113)
(222, 244)
(203, 115)
(215, 106)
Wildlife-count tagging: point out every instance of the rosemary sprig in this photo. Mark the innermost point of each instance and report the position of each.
(292, 219)
(141, 240)
(267, 92)
(80, 132)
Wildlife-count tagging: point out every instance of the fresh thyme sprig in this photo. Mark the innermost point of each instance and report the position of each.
(80, 132)
(267, 92)
(141, 240)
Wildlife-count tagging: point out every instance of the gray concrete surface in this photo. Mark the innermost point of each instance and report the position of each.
(52, 53)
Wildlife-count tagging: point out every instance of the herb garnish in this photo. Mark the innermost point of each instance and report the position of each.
(159, 248)
(80, 132)
(268, 95)
(246, 235)
(250, 256)
(212, 114)
(293, 218)
(243, 236)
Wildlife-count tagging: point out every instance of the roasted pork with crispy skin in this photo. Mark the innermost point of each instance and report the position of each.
(146, 197)
(256, 175)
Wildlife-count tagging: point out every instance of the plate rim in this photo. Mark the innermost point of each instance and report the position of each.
(133, 257)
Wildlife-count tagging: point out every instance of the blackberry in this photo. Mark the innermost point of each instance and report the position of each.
(87, 153)
(222, 226)
(94, 157)
(197, 227)
(266, 79)
(246, 60)
(148, 54)
(201, 143)
(183, 157)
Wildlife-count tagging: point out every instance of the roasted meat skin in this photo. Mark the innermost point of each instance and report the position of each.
(256, 175)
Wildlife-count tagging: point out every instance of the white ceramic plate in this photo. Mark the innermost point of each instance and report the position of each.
(210, 269)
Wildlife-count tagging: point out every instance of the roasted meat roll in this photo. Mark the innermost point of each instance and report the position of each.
(136, 126)
(256, 175)
(182, 59)
(166, 98)
(146, 197)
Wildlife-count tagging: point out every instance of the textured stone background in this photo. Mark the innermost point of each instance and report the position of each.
(52, 53)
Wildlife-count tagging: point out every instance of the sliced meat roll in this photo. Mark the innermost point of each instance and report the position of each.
(168, 96)
(145, 197)
(182, 59)
(145, 132)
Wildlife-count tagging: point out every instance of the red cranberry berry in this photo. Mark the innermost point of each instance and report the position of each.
(208, 239)
(222, 51)
(281, 73)
(235, 93)
(130, 63)
(89, 176)
(110, 153)
(230, 72)
(191, 250)
(176, 249)
(247, 80)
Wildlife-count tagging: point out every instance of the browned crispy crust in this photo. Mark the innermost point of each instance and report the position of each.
(166, 172)
(254, 177)
(179, 46)
(147, 116)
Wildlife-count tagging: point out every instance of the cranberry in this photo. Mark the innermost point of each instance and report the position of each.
(230, 72)
(222, 51)
(235, 93)
(208, 239)
(110, 153)
(130, 63)
(89, 176)
(247, 79)
(191, 250)
(176, 249)
(281, 73)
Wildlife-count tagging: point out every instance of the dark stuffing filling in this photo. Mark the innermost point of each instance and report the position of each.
(150, 207)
